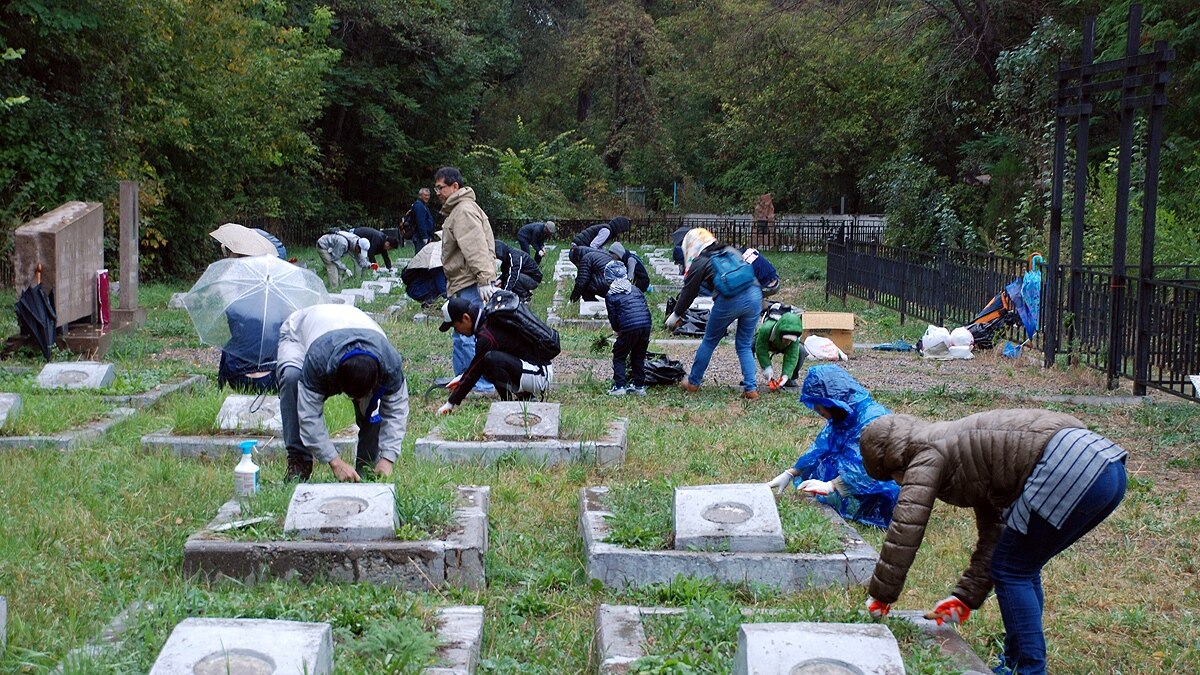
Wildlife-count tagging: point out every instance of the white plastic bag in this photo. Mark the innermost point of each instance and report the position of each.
(935, 335)
(960, 352)
(823, 349)
(961, 337)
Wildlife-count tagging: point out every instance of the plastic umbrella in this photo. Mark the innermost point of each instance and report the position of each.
(36, 314)
(239, 303)
(423, 278)
(429, 257)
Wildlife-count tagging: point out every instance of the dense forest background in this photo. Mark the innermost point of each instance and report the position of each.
(935, 112)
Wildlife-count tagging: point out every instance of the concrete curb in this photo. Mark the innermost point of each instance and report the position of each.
(607, 451)
(620, 634)
(619, 567)
(412, 565)
(225, 445)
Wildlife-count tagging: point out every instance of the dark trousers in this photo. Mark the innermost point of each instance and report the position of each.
(1017, 563)
(536, 253)
(368, 432)
(524, 286)
(632, 345)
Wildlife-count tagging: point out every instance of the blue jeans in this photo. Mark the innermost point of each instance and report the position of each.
(743, 308)
(464, 347)
(1017, 566)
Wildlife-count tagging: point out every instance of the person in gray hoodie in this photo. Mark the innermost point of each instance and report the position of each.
(326, 350)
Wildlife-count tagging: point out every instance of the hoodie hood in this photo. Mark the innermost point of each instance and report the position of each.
(617, 250)
(617, 278)
(575, 255)
(788, 324)
(619, 225)
(832, 387)
(886, 445)
(463, 194)
(501, 250)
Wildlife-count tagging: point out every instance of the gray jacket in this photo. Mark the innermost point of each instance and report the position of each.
(340, 243)
(316, 339)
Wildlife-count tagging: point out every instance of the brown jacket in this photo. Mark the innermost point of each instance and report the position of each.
(468, 247)
(979, 462)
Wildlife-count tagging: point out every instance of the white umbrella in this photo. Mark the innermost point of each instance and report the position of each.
(429, 257)
(238, 304)
(243, 240)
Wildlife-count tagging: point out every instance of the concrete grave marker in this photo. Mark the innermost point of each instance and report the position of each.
(738, 517)
(76, 375)
(343, 512)
(379, 287)
(246, 647)
(516, 420)
(10, 407)
(595, 308)
(250, 414)
(817, 649)
(342, 299)
(1195, 382)
(363, 295)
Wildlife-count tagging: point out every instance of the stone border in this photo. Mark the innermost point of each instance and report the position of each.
(128, 406)
(619, 567)
(224, 445)
(460, 637)
(412, 565)
(3, 624)
(620, 635)
(607, 451)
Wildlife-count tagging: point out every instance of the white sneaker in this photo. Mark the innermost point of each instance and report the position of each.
(616, 391)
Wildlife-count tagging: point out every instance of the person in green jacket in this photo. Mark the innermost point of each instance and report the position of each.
(780, 334)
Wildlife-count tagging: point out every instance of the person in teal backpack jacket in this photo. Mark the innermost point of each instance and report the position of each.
(832, 468)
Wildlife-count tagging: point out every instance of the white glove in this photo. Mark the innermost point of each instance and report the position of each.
(453, 384)
(816, 487)
(542, 253)
(672, 320)
(769, 372)
(445, 409)
(350, 271)
(780, 482)
(485, 292)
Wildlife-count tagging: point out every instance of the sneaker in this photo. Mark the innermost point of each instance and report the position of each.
(634, 389)
(616, 391)
(298, 469)
(689, 387)
(750, 395)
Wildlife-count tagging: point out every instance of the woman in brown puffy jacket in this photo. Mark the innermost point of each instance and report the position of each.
(1037, 480)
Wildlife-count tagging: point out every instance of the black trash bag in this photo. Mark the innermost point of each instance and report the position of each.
(662, 370)
(694, 321)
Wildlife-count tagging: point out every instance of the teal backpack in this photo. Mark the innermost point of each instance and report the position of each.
(731, 274)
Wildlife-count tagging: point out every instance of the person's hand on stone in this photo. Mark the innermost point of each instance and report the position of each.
(383, 468)
(779, 483)
(343, 471)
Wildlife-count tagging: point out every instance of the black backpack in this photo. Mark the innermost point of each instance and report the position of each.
(506, 310)
(408, 226)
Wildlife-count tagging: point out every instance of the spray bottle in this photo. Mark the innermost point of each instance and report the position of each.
(245, 474)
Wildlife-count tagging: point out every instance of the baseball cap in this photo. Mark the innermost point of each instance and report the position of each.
(453, 309)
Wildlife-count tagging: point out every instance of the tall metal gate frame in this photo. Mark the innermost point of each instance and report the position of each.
(1141, 80)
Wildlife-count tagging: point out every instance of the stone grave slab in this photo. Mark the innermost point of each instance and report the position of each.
(76, 375)
(363, 295)
(342, 299)
(592, 308)
(517, 420)
(250, 414)
(817, 649)
(343, 512)
(247, 646)
(10, 407)
(736, 517)
(702, 302)
(378, 287)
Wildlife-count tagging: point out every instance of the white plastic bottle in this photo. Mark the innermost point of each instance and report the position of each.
(245, 474)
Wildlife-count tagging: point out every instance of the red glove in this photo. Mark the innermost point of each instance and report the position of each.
(453, 384)
(877, 609)
(777, 383)
(951, 609)
(374, 267)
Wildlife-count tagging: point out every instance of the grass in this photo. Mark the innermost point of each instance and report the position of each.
(195, 413)
(642, 518)
(87, 533)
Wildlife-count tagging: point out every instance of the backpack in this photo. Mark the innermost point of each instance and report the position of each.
(408, 226)
(731, 274)
(541, 341)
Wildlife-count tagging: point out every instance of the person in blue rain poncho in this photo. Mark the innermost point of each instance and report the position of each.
(832, 467)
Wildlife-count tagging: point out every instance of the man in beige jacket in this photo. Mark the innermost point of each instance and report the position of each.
(468, 255)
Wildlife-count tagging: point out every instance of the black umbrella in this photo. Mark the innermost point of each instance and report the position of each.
(35, 313)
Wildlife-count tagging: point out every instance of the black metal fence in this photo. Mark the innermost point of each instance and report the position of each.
(952, 286)
(785, 234)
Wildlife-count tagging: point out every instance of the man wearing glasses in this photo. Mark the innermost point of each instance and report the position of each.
(468, 255)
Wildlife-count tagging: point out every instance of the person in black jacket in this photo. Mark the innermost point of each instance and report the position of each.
(518, 272)
(596, 236)
(635, 271)
(698, 247)
(380, 244)
(629, 316)
(500, 357)
(589, 276)
(532, 238)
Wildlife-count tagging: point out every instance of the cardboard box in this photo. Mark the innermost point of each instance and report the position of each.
(837, 326)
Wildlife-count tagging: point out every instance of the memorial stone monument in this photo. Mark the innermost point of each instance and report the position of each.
(246, 646)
